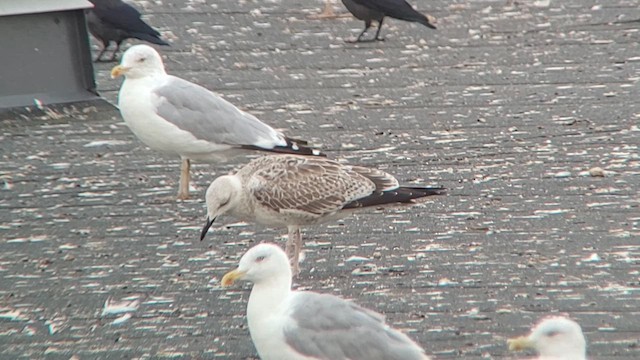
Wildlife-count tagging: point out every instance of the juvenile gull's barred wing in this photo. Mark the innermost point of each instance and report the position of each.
(314, 186)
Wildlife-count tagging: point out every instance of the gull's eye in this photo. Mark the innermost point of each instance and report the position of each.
(141, 60)
(260, 258)
(552, 333)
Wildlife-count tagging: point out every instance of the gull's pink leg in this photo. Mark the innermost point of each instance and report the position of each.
(289, 248)
(185, 177)
(292, 249)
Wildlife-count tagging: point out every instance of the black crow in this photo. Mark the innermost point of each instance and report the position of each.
(114, 20)
(369, 10)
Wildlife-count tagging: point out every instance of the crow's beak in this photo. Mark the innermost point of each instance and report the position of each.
(206, 227)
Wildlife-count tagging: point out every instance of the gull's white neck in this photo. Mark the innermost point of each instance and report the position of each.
(269, 294)
(564, 357)
(566, 352)
(267, 304)
(149, 80)
(571, 354)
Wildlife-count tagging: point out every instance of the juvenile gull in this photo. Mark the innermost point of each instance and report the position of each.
(172, 115)
(304, 325)
(554, 338)
(115, 21)
(370, 10)
(292, 191)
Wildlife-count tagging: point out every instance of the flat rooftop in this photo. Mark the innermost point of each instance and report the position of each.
(527, 111)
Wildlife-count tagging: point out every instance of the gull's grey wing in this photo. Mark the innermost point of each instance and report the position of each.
(327, 327)
(304, 184)
(209, 117)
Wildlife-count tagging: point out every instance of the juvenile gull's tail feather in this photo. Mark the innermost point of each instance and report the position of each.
(403, 194)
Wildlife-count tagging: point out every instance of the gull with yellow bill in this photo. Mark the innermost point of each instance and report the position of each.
(554, 338)
(175, 116)
(303, 325)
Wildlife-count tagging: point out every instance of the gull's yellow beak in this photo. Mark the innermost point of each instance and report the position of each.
(118, 71)
(229, 278)
(520, 343)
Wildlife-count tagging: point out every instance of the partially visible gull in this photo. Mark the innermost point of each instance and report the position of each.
(554, 338)
(304, 325)
(173, 115)
(292, 191)
(115, 21)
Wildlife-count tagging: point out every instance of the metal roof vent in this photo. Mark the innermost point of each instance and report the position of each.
(45, 53)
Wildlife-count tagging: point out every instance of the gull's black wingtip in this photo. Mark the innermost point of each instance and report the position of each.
(426, 191)
(293, 147)
(403, 194)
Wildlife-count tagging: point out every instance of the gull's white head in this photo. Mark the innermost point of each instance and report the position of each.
(557, 338)
(222, 196)
(262, 262)
(139, 61)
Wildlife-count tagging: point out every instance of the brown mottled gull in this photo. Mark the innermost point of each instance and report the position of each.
(554, 338)
(173, 115)
(292, 191)
(304, 325)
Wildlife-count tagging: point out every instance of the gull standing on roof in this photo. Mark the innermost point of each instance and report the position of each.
(304, 325)
(173, 115)
(292, 191)
(554, 338)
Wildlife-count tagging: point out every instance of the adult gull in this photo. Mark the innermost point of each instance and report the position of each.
(292, 191)
(554, 338)
(303, 325)
(173, 115)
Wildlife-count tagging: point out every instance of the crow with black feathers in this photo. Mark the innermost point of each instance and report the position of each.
(115, 21)
(370, 10)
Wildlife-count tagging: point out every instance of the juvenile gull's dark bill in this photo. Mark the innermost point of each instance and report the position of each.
(173, 115)
(292, 191)
(303, 325)
(554, 338)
